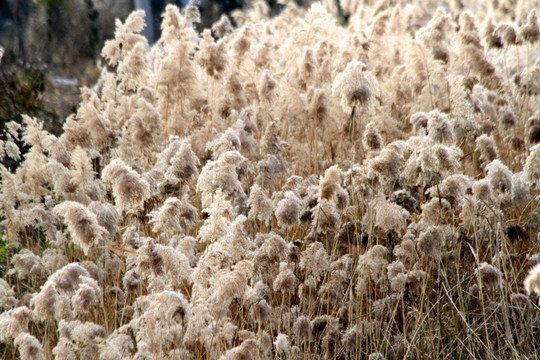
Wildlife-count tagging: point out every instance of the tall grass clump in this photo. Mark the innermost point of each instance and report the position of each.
(352, 182)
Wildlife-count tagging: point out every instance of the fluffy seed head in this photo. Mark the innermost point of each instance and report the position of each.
(431, 241)
(7, 295)
(507, 32)
(507, 119)
(372, 139)
(288, 210)
(532, 281)
(259, 205)
(83, 225)
(533, 132)
(519, 300)
(175, 216)
(489, 274)
(222, 27)
(439, 127)
(318, 108)
(530, 31)
(499, 175)
(302, 328)
(483, 190)
(87, 297)
(149, 259)
(485, 145)
(129, 188)
(260, 311)
(26, 263)
(419, 121)
(286, 280)
(387, 164)
(14, 322)
(329, 185)
(282, 344)
(29, 347)
(183, 164)
(390, 216)
(356, 87)
(46, 302)
(531, 170)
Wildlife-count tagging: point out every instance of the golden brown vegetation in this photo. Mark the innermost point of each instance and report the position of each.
(287, 188)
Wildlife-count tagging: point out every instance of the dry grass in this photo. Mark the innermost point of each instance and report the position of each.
(289, 188)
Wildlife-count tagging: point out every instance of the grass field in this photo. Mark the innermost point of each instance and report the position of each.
(358, 181)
